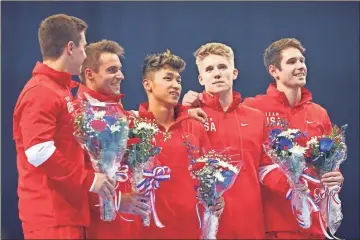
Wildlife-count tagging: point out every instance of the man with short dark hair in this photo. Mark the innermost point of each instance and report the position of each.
(101, 77)
(53, 182)
(175, 199)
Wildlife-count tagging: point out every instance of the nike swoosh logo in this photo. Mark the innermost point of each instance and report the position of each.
(309, 122)
(244, 124)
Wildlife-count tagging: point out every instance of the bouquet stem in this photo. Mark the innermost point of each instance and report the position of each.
(210, 225)
(138, 177)
(107, 209)
(300, 204)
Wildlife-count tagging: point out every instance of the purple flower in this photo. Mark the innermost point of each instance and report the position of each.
(283, 141)
(325, 144)
(228, 177)
(275, 132)
(213, 161)
(110, 120)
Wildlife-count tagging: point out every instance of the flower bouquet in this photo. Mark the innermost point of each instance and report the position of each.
(103, 132)
(140, 156)
(286, 149)
(214, 173)
(326, 153)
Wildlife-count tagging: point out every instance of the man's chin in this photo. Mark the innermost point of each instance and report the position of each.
(217, 90)
(301, 83)
(173, 102)
(115, 92)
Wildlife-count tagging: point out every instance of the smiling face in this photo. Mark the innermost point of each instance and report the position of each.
(164, 85)
(216, 73)
(292, 71)
(284, 60)
(109, 76)
(102, 69)
(161, 78)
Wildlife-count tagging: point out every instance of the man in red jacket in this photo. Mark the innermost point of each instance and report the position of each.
(101, 76)
(176, 198)
(53, 182)
(230, 123)
(286, 100)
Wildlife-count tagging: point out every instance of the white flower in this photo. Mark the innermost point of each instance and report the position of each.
(146, 126)
(99, 115)
(114, 128)
(219, 177)
(202, 159)
(297, 150)
(288, 133)
(229, 166)
(312, 141)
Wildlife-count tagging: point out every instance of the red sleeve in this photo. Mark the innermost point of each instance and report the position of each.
(327, 123)
(249, 102)
(40, 111)
(328, 128)
(270, 175)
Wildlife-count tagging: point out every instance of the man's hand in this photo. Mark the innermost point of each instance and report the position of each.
(135, 203)
(197, 114)
(104, 186)
(302, 187)
(192, 99)
(219, 207)
(332, 179)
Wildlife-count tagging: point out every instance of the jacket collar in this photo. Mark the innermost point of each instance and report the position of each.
(213, 101)
(306, 95)
(63, 78)
(97, 95)
(180, 112)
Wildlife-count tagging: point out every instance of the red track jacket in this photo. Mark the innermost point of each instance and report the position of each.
(305, 116)
(176, 198)
(241, 127)
(119, 228)
(53, 182)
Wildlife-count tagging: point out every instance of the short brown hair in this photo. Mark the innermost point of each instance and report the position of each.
(272, 55)
(56, 31)
(216, 49)
(157, 61)
(94, 51)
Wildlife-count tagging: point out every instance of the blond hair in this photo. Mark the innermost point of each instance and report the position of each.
(219, 49)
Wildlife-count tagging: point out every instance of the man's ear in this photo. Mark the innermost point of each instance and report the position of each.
(89, 75)
(273, 71)
(69, 47)
(147, 84)
(235, 74)
(201, 81)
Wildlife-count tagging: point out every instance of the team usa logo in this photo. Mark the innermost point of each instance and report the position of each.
(209, 125)
(69, 105)
(274, 119)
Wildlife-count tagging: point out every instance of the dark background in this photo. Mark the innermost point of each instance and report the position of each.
(329, 31)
